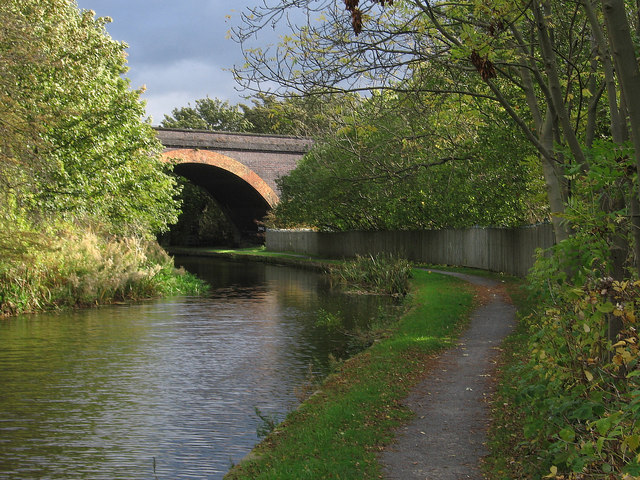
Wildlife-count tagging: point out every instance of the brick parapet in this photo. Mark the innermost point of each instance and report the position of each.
(269, 156)
(174, 138)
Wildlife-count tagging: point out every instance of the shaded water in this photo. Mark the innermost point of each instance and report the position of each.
(107, 393)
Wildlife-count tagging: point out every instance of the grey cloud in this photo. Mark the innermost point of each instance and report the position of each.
(171, 30)
(177, 49)
(183, 82)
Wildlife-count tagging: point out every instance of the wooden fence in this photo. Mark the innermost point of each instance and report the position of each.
(511, 251)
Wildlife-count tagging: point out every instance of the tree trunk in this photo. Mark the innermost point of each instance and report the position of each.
(617, 127)
(550, 62)
(552, 180)
(628, 73)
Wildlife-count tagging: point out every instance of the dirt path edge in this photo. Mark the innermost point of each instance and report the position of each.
(446, 438)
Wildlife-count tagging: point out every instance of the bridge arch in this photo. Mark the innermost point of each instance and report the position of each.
(241, 193)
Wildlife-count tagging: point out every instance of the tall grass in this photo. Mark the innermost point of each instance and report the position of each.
(382, 273)
(86, 268)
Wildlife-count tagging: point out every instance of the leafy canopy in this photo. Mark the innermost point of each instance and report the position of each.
(208, 114)
(74, 143)
(404, 162)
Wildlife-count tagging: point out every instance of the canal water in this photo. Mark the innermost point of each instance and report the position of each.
(166, 389)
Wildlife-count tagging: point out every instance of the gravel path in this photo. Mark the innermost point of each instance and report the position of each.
(445, 440)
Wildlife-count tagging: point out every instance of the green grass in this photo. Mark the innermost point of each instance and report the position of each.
(339, 431)
(470, 271)
(504, 461)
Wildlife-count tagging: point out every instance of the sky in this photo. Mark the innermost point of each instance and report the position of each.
(177, 49)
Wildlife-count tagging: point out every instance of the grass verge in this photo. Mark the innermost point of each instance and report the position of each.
(339, 431)
(504, 461)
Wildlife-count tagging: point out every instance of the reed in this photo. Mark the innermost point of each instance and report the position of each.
(87, 268)
(382, 273)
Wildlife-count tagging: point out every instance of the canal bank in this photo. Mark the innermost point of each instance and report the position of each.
(415, 403)
(257, 254)
(167, 388)
(340, 431)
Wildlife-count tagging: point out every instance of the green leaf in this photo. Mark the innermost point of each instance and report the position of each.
(632, 441)
(632, 469)
(606, 307)
(583, 412)
(603, 425)
(567, 434)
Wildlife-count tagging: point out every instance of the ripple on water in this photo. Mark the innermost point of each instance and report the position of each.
(105, 393)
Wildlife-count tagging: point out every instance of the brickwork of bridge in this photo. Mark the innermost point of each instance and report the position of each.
(239, 170)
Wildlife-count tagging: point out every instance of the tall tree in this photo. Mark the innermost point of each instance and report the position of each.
(403, 161)
(306, 115)
(208, 114)
(74, 142)
(547, 63)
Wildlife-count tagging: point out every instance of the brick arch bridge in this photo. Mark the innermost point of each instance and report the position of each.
(238, 170)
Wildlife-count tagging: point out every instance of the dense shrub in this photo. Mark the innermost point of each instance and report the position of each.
(575, 388)
(580, 389)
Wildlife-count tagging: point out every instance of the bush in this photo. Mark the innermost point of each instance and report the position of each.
(580, 386)
(382, 273)
(576, 389)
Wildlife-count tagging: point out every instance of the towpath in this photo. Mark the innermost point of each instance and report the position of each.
(446, 439)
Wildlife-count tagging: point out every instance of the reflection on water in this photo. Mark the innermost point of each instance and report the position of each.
(105, 393)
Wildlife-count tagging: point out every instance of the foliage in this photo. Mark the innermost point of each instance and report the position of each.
(578, 380)
(75, 144)
(338, 431)
(598, 218)
(307, 115)
(578, 392)
(379, 273)
(328, 320)
(405, 162)
(22, 110)
(303, 115)
(76, 158)
(559, 72)
(208, 114)
(201, 221)
(88, 268)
